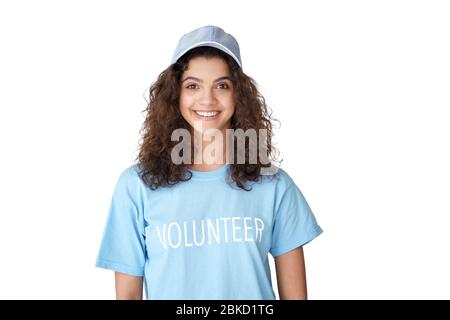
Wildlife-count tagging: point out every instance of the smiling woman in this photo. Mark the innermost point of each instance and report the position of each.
(196, 230)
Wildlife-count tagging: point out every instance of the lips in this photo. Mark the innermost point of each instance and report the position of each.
(206, 115)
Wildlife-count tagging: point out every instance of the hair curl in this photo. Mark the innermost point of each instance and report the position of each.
(163, 116)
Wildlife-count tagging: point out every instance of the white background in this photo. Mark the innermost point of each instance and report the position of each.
(361, 88)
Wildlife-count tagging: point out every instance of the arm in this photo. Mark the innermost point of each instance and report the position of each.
(128, 287)
(291, 275)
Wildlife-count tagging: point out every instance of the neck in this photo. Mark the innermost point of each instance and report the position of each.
(209, 151)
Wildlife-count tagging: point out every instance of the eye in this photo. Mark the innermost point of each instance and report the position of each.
(224, 86)
(190, 86)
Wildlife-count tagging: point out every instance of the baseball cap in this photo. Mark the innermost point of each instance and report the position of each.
(211, 36)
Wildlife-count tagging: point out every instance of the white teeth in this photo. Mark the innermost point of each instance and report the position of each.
(207, 114)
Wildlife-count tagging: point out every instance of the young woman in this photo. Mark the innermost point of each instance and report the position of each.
(202, 229)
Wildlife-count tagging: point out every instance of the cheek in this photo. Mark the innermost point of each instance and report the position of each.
(230, 103)
(185, 102)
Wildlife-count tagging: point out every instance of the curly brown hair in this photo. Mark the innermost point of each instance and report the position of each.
(163, 116)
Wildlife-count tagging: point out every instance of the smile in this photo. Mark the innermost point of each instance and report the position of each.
(207, 114)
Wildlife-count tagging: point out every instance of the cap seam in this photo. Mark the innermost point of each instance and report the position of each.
(209, 41)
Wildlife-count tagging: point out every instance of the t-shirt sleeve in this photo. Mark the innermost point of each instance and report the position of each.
(122, 247)
(295, 224)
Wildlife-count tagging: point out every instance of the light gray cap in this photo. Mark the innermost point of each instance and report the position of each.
(211, 36)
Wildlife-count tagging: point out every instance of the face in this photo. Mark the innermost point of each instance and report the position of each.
(207, 94)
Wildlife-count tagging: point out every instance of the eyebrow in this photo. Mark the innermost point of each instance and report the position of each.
(200, 80)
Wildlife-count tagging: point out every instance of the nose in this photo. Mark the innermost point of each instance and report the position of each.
(207, 97)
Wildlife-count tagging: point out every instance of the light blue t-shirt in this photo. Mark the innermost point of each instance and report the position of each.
(204, 239)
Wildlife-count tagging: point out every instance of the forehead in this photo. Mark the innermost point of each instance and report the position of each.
(203, 67)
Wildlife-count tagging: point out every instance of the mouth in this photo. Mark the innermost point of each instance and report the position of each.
(206, 115)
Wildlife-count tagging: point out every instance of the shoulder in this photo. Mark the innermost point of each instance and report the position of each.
(129, 177)
(129, 173)
(279, 180)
